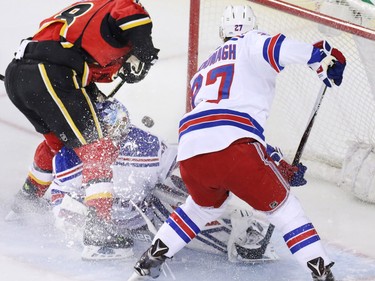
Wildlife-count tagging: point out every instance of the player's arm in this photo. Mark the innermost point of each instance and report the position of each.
(134, 26)
(294, 174)
(328, 63)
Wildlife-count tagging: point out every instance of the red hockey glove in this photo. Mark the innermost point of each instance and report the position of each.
(294, 175)
(299, 176)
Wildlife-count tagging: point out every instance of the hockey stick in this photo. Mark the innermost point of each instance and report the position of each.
(149, 223)
(117, 88)
(2, 77)
(153, 230)
(306, 134)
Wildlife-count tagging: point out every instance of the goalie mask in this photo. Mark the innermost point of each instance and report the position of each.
(115, 117)
(237, 20)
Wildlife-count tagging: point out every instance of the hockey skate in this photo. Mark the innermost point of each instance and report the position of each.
(101, 242)
(319, 271)
(26, 203)
(149, 265)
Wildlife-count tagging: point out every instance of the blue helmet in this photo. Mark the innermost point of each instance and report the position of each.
(114, 116)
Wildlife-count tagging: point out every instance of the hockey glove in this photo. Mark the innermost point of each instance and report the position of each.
(298, 178)
(134, 70)
(329, 63)
(137, 66)
(294, 175)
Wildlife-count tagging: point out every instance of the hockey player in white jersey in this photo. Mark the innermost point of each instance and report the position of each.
(144, 160)
(147, 189)
(222, 148)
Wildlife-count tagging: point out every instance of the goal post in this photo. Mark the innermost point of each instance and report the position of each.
(193, 47)
(347, 114)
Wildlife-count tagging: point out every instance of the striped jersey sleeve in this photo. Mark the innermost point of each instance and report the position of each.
(271, 51)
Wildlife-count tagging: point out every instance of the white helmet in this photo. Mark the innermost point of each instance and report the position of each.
(237, 20)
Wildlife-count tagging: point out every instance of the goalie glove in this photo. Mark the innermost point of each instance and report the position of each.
(294, 175)
(329, 63)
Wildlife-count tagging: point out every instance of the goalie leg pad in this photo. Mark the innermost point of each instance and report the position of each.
(250, 237)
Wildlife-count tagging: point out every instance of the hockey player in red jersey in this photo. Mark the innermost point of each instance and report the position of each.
(222, 147)
(52, 79)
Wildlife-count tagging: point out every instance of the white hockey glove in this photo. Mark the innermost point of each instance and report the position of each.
(294, 175)
(329, 63)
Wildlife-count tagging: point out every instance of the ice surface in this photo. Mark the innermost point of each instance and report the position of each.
(34, 251)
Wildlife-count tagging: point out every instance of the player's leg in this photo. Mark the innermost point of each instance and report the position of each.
(66, 191)
(183, 225)
(267, 191)
(186, 222)
(243, 234)
(302, 239)
(247, 171)
(30, 198)
(22, 83)
(80, 128)
(57, 98)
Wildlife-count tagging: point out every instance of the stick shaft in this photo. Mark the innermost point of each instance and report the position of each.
(115, 90)
(310, 124)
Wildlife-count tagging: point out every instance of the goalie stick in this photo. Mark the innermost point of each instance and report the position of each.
(307, 131)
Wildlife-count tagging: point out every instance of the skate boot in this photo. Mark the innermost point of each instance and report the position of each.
(319, 271)
(149, 265)
(102, 242)
(27, 203)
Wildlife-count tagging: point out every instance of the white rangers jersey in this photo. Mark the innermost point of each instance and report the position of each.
(233, 90)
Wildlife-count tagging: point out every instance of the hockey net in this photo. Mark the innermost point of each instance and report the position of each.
(346, 115)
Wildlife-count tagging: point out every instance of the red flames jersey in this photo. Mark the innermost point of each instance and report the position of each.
(104, 29)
